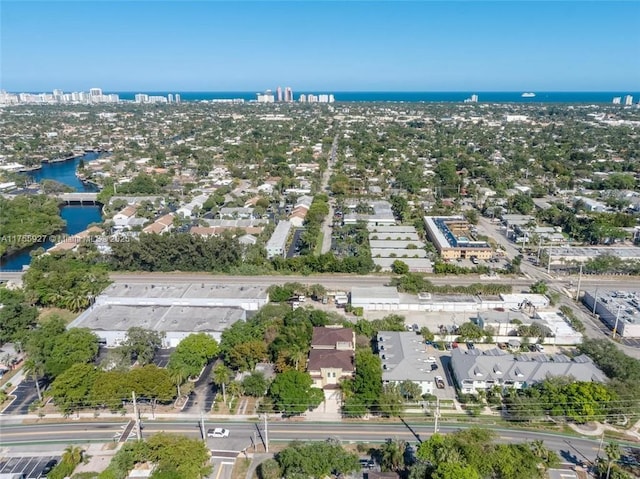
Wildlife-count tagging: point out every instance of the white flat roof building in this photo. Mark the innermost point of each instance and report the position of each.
(276, 246)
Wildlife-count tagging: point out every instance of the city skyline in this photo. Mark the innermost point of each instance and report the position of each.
(330, 46)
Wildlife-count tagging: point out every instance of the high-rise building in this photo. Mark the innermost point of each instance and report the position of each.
(279, 93)
(303, 98)
(141, 98)
(617, 100)
(177, 97)
(266, 97)
(170, 97)
(288, 94)
(95, 92)
(628, 100)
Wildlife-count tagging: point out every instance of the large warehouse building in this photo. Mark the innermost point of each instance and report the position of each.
(175, 309)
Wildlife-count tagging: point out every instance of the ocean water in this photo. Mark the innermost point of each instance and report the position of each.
(412, 97)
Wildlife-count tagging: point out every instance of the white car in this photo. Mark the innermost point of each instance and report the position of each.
(218, 432)
(431, 359)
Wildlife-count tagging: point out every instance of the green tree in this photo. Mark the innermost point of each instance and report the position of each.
(399, 267)
(17, 317)
(316, 460)
(193, 353)
(426, 334)
(269, 469)
(221, 377)
(470, 332)
(390, 402)
(141, 344)
(392, 455)
(293, 393)
(454, 470)
(539, 287)
(410, 391)
(255, 384)
(71, 389)
(76, 345)
(367, 382)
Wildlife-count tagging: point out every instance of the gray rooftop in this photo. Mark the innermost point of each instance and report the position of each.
(380, 292)
(184, 290)
(499, 366)
(403, 356)
(111, 317)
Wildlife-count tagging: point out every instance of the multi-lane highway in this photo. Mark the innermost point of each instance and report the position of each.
(243, 434)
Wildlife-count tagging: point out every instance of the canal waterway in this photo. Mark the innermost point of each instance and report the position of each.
(77, 217)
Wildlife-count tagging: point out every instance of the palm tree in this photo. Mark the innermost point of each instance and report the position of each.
(73, 455)
(298, 355)
(34, 369)
(177, 377)
(235, 389)
(538, 449)
(613, 454)
(392, 455)
(221, 377)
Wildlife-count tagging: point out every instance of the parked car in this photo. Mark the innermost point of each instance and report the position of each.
(470, 345)
(439, 382)
(431, 359)
(48, 467)
(218, 432)
(434, 366)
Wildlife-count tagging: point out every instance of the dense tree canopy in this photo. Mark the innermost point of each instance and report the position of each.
(176, 456)
(316, 460)
(292, 392)
(193, 353)
(64, 280)
(17, 317)
(27, 220)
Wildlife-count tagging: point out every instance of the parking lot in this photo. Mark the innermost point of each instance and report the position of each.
(30, 466)
(25, 393)
(161, 358)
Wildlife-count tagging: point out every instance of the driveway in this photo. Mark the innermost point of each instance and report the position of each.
(202, 396)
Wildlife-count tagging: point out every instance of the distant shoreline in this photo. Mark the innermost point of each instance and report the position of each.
(574, 97)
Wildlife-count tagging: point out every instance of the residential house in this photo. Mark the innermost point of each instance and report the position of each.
(475, 370)
(122, 218)
(161, 225)
(331, 358)
(405, 357)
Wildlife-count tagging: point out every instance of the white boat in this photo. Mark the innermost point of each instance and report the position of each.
(528, 95)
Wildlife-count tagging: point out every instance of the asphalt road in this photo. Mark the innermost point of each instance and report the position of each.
(571, 449)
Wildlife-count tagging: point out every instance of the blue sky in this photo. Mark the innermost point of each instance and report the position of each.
(335, 45)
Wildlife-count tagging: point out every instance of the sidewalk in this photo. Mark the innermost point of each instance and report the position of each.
(598, 429)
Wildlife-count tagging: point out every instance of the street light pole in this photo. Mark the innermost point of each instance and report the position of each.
(266, 433)
(579, 283)
(595, 302)
(615, 327)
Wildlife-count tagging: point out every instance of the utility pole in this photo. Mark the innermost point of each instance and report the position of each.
(600, 445)
(615, 327)
(595, 302)
(579, 283)
(549, 260)
(136, 416)
(266, 433)
(204, 436)
(436, 416)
